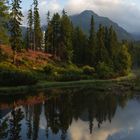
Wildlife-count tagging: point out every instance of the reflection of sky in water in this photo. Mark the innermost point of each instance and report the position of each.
(124, 126)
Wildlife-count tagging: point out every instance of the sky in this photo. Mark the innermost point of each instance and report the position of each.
(124, 12)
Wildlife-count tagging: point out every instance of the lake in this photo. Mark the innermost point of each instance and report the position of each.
(71, 114)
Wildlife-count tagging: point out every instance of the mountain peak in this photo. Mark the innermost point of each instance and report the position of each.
(88, 13)
(83, 20)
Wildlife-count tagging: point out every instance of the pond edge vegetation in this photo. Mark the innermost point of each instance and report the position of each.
(122, 83)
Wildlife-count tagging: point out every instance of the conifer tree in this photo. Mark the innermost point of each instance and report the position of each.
(37, 27)
(3, 21)
(112, 42)
(48, 34)
(15, 30)
(91, 43)
(52, 35)
(30, 28)
(56, 26)
(66, 38)
(79, 47)
(101, 53)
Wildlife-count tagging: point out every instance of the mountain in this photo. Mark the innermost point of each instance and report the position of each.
(83, 20)
(136, 36)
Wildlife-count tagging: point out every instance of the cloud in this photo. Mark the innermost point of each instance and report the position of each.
(124, 126)
(45, 6)
(126, 13)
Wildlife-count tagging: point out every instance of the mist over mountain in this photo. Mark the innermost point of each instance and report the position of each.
(83, 20)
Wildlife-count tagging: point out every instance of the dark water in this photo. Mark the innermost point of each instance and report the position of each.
(71, 114)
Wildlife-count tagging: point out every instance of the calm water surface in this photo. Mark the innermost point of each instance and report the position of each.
(71, 114)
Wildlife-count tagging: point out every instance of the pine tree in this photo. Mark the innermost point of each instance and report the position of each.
(47, 34)
(48, 17)
(66, 38)
(91, 44)
(3, 21)
(101, 52)
(56, 25)
(15, 124)
(53, 35)
(30, 28)
(79, 47)
(37, 27)
(15, 30)
(112, 42)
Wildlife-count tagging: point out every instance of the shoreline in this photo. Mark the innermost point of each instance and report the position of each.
(120, 83)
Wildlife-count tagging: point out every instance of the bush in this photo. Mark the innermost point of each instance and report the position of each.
(12, 77)
(68, 77)
(104, 71)
(66, 73)
(69, 74)
(49, 69)
(87, 70)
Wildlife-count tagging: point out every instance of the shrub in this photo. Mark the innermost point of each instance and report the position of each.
(69, 74)
(68, 77)
(104, 71)
(87, 70)
(49, 69)
(12, 77)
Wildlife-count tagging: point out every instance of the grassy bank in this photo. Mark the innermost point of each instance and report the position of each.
(121, 83)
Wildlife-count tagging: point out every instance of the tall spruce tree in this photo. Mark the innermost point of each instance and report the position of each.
(52, 35)
(91, 44)
(112, 42)
(79, 47)
(101, 52)
(30, 28)
(66, 38)
(3, 21)
(15, 30)
(37, 27)
(47, 34)
(56, 26)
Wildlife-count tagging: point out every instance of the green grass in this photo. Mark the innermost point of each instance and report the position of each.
(121, 83)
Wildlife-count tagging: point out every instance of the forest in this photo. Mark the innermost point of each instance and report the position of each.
(62, 53)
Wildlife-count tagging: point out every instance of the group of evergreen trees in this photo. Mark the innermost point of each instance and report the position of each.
(58, 37)
(71, 44)
(65, 42)
(34, 32)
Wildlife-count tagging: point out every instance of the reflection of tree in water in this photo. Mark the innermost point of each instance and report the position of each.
(105, 109)
(58, 115)
(15, 125)
(4, 129)
(28, 117)
(36, 120)
(61, 110)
